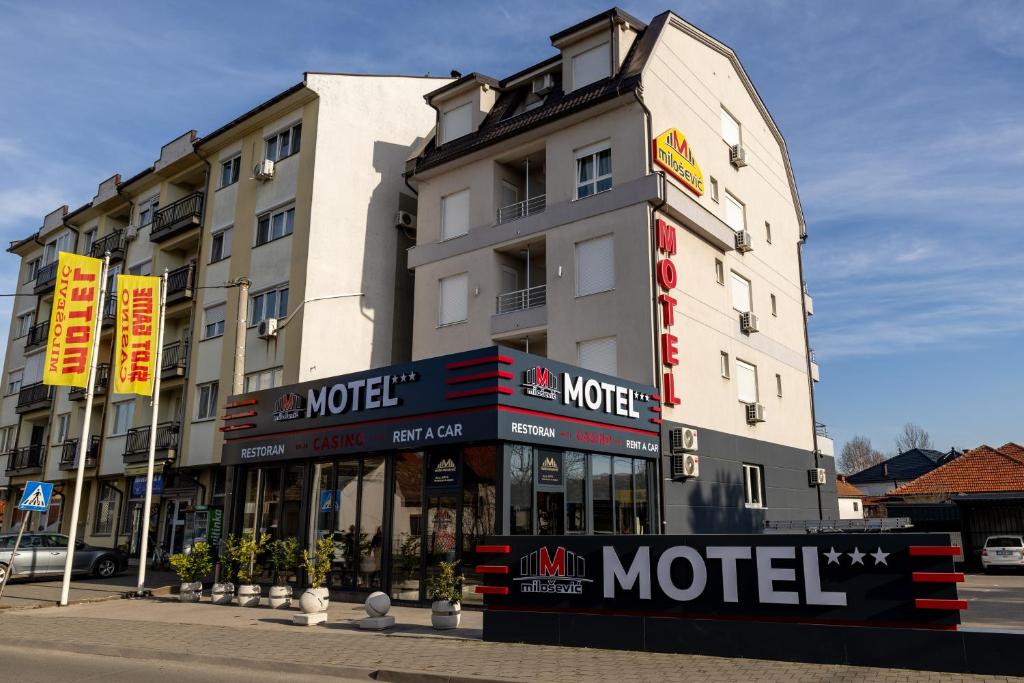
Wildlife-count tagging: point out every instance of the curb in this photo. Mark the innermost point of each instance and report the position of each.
(160, 591)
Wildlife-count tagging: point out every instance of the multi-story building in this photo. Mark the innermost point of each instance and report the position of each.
(298, 196)
(628, 205)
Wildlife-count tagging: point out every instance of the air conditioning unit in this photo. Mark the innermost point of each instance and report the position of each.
(404, 219)
(737, 156)
(264, 170)
(682, 440)
(267, 328)
(685, 465)
(748, 322)
(743, 242)
(755, 413)
(542, 85)
(816, 476)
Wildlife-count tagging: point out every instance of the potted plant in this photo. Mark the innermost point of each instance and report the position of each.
(191, 567)
(316, 598)
(284, 556)
(249, 547)
(223, 591)
(445, 590)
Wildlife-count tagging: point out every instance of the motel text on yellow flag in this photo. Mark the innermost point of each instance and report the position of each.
(138, 298)
(72, 320)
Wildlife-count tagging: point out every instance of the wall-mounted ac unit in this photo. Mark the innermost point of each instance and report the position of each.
(748, 322)
(743, 242)
(404, 219)
(816, 476)
(755, 413)
(267, 328)
(682, 440)
(685, 466)
(738, 156)
(264, 170)
(542, 85)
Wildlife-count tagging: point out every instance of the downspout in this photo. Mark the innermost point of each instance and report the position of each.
(807, 359)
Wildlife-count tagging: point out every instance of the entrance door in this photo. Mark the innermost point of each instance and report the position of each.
(174, 524)
(550, 513)
(36, 439)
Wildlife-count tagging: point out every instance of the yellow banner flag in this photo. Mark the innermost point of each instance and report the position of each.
(72, 320)
(138, 298)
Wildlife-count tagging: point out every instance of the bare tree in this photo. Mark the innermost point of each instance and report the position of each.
(913, 436)
(858, 454)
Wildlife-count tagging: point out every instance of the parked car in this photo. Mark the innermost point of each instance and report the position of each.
(1003, 551)
(41, 555)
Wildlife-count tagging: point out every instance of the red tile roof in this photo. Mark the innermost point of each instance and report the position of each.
(982, 470)
(845, 489)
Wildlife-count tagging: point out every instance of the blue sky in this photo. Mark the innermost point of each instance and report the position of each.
(904, 122)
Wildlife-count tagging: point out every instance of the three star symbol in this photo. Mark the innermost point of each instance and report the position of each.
(410, 376)
(641, 396)
(857, 557)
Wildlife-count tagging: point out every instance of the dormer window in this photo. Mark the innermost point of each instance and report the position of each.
(456, 122)
(591, 66)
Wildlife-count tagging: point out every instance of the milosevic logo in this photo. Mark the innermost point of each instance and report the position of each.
(288, 407)
(545, 572)
(549, 464)
(446, 465)
(541, 382)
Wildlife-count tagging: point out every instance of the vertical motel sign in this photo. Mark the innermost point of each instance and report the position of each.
(668, 278)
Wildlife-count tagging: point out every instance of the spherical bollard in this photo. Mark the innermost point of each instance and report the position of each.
(377, 604)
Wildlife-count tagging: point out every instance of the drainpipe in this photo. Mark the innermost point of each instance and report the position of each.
(807, 360)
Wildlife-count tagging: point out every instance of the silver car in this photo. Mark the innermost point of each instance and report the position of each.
(42, 555)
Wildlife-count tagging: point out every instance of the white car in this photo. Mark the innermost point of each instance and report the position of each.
(1003, 551)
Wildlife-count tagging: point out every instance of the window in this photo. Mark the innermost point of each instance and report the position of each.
(719, 271)
(24, 323)
(856, 506)
(778, 385)
(285, 143)
(455, 214)
(457, 122)
(33, 268)
(146, 211)
(753, 486)
(206, 401)
(263, 379)
(746, 382)
(775, 310)
(725, 364)
(272, 226)
(65, 242)
(591, 66)
(454, 299)
(270, 304)
(63, 424)
(6, 442)
(14, 379)
(144, 268)
(740, 293)
(106, 508)
(595, 266)
(90, 239)
(599, 355)
(768, 232)
(220, 245)
(213, 323)
(124, 415)
(714, 189)
(735, 216)
(730, 129)
(229, 171)
(593, 170)
(34, 368)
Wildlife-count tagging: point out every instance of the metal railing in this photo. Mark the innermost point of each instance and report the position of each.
(69, 452)
(110, 309)
(180, 280)
(137, 440)
(522, 299)
(25, 458)
(46, 275)
(810, 352)
(526, 207)
(116, 242)
(37, 335)
(174, 358)
(34, 393)
(186, 209)
(99, 386)
(820, 429)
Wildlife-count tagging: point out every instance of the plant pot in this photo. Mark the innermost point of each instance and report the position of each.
(445, 614)
(314, 600)
(222, 593)
(249, 595)
(190, 591)
(280, 597)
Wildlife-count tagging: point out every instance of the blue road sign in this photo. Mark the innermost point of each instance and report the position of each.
(36, 496)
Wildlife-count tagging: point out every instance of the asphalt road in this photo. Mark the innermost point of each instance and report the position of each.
(994, 600)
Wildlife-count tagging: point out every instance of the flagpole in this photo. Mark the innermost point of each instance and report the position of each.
(83, 445)
(152, 437)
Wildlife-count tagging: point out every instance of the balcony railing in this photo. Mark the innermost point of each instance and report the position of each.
(37, 335)
(174, 360)
(181, 283)
(116, 243)
(46, 277)
(99, 386)
(136, 445)
(25, 459)
(184, 214)
(813, 358)
(110, 309)
(522, 299)
(820, 429)
(36, 396)
(69, 453)
(526, 207)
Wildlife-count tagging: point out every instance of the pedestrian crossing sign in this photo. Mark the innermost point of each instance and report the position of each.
(36, 496)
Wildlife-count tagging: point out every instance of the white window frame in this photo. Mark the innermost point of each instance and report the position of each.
(206, 401)
(450, 117)
(230, 171)
(33, 268)
(778, 384)
(734, 280)
(451, 281)
(729, 123)
(730, 200)
(724, 364)
(768, 232)
(106, 511)
(582, 345)
(140, 268)
(223, 238)
(90, 239)
(147, 209)
(117, 428)
(775, 304)
(744, 366)
(15, 377)
(713, 183)
(212, 330)
(455, 221)
(592, 153)
(720, 271)
(753, 486)
(290, 135)
(63, 425)
(597, 59)
(264, 379)
(21, 328)
(258, 308)
(608, 284)
(287, 225)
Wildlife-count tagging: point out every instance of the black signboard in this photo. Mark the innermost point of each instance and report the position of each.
(549, 468)
(443, 471)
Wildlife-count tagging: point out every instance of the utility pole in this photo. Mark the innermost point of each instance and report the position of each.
(238, 378)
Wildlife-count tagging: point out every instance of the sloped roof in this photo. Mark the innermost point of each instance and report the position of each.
(982, 470)
(845, 489)
(903, 467)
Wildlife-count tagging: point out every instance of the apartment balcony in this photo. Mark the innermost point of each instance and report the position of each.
(809, 303)
(110, 309)
(520, 310)
(528, 207)
(181, 284)
(815, 372)
(46, 278)
(825, 444)
(69, 453)
(136, 445)
(34, 397)
(116, 243)
(37, 336)
(177, 218)
(25, 460)
(174, 360)
(99, 386)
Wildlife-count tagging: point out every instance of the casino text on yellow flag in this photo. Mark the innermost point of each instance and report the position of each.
(137, 316)
(72, 320)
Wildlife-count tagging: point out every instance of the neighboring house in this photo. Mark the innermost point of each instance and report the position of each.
(851, 499)
(882, 478)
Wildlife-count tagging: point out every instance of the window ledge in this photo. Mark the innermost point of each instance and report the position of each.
(580, 199)
(200, 420)
(216, 336)
(453, 323)
(276, 239)
(603, 291)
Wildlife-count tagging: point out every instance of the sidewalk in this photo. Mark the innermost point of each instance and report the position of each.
(265, 640)
(46, 592)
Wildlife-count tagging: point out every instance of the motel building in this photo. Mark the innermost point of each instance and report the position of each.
(566, 301)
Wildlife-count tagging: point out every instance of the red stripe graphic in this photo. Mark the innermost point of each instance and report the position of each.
(502, 549)
(477, 392)
(938, 577)
(479, 361)
(495, 374)
(931, 550)
(492, 590)
(491, 569)
(235, 428)
(238, 404)
(936, 603)
(238, 416)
